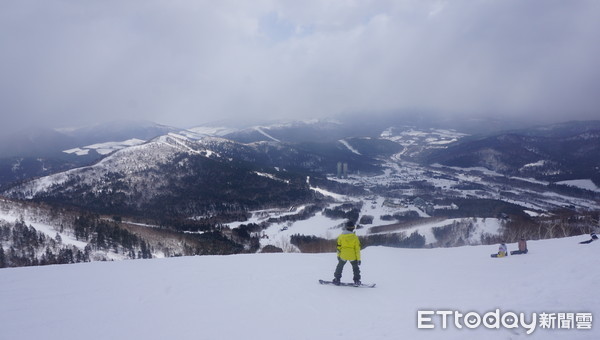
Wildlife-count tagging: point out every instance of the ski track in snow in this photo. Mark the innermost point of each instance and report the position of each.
(261, 131)
(586, 184)
(349, 147)
(277, 296)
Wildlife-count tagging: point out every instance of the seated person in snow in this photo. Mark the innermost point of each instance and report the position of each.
(522, 248)
(502, 251)
(592, 239)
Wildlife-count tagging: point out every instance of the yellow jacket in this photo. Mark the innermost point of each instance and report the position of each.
(348, 246)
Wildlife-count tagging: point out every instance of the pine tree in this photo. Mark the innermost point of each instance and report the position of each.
(2, 258)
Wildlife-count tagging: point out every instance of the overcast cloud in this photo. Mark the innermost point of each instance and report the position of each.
(189, 62)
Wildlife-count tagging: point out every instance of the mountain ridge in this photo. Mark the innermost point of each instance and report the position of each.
(568, 152)
(283, 195)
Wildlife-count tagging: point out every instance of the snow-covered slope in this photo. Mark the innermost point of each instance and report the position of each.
(276, 296)
(129, 161)
(416, 141)
(586, 184)
(192, 176)
(141, 163)
(279, 233)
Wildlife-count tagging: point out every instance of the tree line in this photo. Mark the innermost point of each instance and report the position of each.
(23, 245)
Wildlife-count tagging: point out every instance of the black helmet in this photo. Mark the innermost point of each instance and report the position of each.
(350, 225)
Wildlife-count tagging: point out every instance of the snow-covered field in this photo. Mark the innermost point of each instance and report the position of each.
(276, 296)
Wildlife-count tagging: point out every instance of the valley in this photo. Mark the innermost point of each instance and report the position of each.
(189, 192)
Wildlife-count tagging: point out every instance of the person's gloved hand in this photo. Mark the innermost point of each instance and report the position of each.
(359, 262)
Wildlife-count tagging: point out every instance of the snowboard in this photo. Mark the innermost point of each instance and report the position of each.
(348, 284)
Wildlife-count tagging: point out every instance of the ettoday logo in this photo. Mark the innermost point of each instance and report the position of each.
(497, 319)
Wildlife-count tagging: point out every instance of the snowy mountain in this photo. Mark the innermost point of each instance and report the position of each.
(104, 148)
(277, 296)
(171, 176)
(37, 152)
(553, 153)
(116, 131)
(284, 195)
(364, 126)
(421, 141)
(296, 131)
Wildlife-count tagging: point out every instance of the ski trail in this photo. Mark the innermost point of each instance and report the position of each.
(347, 145)
(259, 129)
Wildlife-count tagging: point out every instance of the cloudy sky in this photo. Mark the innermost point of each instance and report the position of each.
(178, 62)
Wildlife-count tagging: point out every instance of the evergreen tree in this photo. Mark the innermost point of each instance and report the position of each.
(2, 258)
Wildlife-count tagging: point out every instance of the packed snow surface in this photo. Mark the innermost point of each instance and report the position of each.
(277, 296)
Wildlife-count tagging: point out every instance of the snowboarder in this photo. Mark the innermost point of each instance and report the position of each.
(502, 251)
(348, 249)
(592, 239)
(522, 248)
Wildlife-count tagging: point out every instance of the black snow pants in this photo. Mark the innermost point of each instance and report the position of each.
(340, 268)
